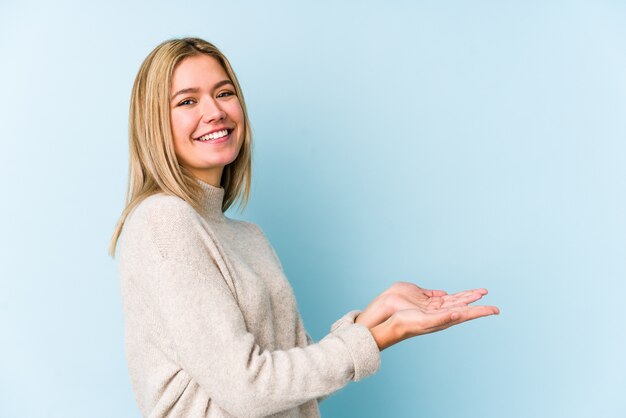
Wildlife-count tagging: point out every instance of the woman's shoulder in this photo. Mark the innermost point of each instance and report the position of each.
(163, 220)
(162, 215)
(162, 208)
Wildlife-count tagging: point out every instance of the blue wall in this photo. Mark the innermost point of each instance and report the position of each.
(455, 144)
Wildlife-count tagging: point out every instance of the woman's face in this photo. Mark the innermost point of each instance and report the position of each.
(206, 117)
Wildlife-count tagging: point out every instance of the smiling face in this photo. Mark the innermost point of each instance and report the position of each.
(206, 117)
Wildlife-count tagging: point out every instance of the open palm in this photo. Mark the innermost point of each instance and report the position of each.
(427, 307)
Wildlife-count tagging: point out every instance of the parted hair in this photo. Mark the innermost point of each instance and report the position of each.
(153, 166)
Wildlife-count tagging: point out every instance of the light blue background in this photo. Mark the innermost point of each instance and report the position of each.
(455, 144)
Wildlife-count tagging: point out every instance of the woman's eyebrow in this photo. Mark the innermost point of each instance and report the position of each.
(196, 89)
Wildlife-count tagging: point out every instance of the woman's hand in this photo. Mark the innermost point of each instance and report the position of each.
(406, 310)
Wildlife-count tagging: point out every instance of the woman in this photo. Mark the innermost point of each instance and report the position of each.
(212, 326)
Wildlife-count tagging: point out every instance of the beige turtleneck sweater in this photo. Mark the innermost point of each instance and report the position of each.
(212, 328)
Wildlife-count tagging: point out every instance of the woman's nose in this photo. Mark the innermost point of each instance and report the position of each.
(212, 112)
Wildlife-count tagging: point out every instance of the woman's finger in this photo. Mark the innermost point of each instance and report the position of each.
(467, 313)
(464, 314)
(466, 297)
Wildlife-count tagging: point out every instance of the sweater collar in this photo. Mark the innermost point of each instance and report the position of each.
(212, 199)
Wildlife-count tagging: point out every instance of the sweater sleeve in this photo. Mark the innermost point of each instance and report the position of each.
(197, 306)
(345, 320)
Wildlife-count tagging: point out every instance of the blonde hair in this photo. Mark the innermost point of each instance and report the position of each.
(153, 166)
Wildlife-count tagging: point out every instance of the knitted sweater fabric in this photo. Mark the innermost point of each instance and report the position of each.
(212, 328)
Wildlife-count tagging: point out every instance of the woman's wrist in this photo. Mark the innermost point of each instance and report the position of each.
(385, 334)
(376, 313)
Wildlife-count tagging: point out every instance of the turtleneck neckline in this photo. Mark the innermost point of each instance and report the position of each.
(212, 199)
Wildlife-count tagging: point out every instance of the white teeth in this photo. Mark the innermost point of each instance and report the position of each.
(214, 135)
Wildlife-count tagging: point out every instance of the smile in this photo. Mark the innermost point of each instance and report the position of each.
(213, 135)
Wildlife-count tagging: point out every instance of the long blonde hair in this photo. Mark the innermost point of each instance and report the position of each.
(153, 166)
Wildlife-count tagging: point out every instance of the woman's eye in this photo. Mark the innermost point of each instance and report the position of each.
(225, 94)
(186, 102)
